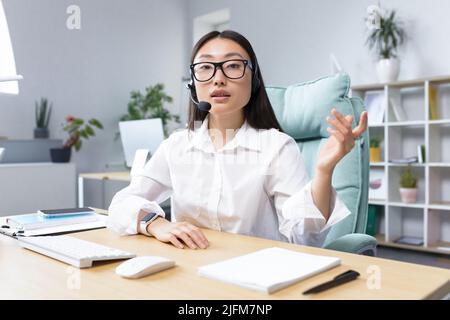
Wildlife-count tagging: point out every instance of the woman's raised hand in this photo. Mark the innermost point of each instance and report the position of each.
(341, 141)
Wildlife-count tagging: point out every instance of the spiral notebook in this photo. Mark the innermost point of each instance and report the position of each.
(270, 269)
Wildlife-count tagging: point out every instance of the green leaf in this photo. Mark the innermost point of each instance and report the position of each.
(47, 120)
(78, 122)
(149, 104)
(78, 145)
(386, 40)
(88, 129)
(84, 134)
(96, 123)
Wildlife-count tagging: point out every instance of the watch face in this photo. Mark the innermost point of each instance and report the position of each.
(148, 217)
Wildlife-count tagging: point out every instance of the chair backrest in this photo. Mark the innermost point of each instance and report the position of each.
(301, 110)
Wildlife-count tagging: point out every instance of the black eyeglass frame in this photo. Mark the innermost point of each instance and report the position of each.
(220, 65)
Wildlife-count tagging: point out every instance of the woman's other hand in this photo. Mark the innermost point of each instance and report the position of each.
(180, 234)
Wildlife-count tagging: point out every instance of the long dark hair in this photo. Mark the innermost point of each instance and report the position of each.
(258, 112)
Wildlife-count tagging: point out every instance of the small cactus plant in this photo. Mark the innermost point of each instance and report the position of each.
(375, 142)
(43, 110)
(408, 180)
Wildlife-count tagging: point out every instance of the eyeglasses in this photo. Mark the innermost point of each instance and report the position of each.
(232, 69)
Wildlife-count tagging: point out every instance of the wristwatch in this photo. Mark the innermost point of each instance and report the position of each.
(146, 220)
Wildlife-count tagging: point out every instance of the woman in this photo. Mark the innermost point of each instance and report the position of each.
(233, 169)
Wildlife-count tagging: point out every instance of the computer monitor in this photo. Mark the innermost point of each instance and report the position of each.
(140, 134)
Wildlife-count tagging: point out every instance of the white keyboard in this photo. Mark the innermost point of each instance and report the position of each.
(77, 252)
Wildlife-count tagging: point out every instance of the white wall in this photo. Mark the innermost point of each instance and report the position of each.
(293, 38)
(122, 46)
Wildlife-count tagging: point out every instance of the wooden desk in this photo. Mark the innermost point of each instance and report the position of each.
(103, 176)
(29, 275)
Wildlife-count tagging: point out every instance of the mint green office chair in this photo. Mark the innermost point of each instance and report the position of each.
(301, 110)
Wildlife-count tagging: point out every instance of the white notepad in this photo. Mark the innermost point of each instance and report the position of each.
(270, 269)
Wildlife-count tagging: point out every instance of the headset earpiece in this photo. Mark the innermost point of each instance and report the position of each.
(191, 87)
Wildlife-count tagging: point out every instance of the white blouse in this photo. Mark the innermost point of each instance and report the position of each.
(255, 185)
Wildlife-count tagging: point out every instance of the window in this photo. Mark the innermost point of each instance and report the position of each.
(7, 64)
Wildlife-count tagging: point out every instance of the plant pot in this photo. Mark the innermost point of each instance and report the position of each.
(375, 155)
(388, 70)
(60, 154)
(408, 195)
(40, 133)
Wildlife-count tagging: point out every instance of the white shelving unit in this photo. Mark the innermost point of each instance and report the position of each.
(429, 217)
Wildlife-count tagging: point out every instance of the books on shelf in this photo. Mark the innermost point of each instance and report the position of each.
(395, 103)
(270, 269)
(374, 102)
(433, 102)
(405, 160)
(37, 220)
(412, 241)
(421, 153)
(372, 213)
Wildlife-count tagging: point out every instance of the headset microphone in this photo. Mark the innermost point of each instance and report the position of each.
(202, 105)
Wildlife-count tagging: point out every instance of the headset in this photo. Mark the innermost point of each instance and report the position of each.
(206, 106)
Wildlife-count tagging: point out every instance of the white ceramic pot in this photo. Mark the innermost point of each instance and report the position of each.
(408, 195)
(388, 70)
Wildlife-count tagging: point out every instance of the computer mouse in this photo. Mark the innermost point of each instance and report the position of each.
(143, 266)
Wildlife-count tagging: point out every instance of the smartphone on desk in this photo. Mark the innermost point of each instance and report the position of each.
(66, 212)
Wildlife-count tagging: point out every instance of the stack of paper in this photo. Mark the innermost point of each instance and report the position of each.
(100, 222)
(269, 270)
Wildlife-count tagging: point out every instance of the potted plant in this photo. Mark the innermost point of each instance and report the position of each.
(77, 130)
(408, 186)
(386, 35)
(375, 149)
(43, 110)
(150, 105)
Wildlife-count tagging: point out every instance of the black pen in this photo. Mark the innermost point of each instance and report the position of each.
(338, 280)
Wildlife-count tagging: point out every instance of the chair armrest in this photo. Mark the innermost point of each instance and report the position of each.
(358, 243)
